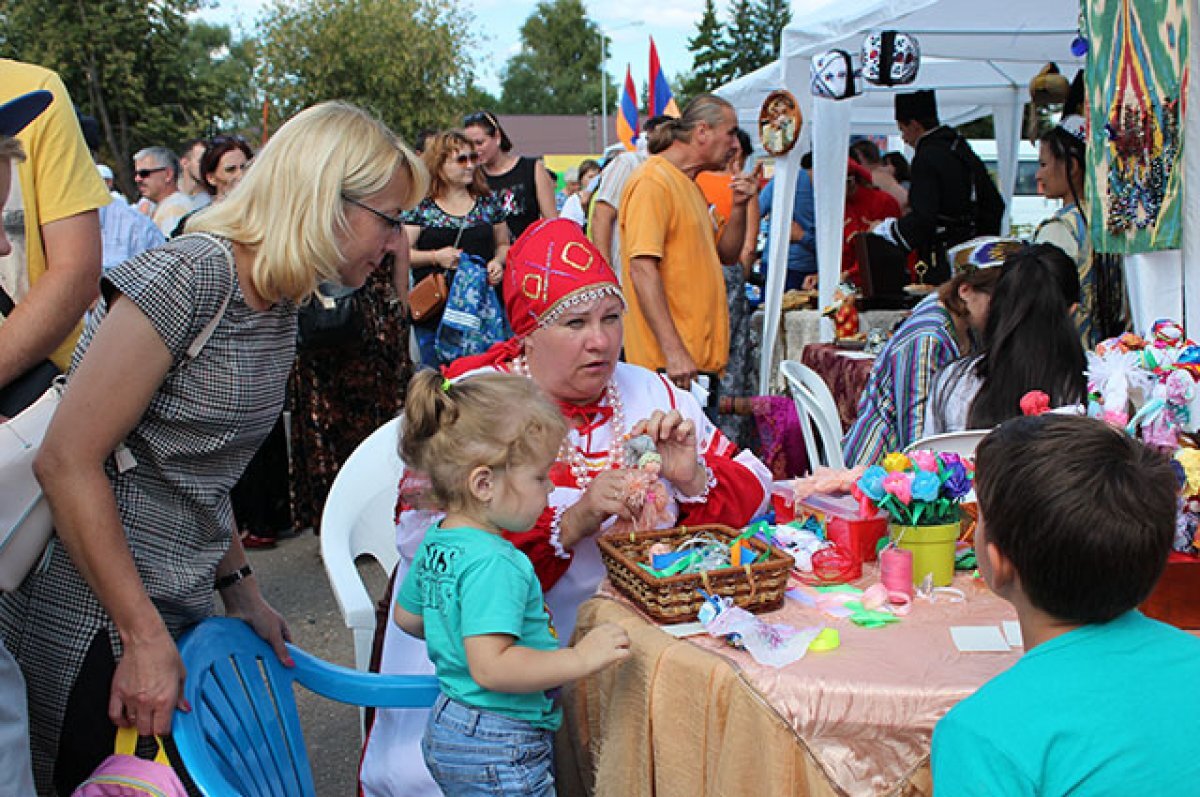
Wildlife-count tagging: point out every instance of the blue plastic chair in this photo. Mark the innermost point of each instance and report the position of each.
(243, 735)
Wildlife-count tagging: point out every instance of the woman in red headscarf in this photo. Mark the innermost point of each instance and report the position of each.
(566, 310)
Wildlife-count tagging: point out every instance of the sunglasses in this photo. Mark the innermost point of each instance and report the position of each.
(395, 222)
(466, 158)
(142, 174)
(482, 118)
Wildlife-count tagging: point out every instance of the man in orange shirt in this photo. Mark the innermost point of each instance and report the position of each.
(678, 315)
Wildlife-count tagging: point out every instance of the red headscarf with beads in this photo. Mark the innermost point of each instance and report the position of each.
(550, 268)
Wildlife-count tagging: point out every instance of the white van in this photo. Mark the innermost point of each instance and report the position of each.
(1029, 207)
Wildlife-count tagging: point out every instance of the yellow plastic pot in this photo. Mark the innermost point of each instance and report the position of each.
(932, 549)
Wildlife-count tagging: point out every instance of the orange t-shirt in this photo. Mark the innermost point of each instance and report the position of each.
(665, 215)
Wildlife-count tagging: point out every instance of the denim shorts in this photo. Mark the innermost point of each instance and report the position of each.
(472, 753)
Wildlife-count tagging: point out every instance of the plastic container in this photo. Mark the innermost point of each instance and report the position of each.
(932, 549)
(845, 526)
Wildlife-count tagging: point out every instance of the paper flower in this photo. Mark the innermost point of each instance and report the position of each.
(899, 485)
(871, 483)
(896, 461)
(958, 482)
(1035, 402)
(1189, 460)
(926, 491)
(924, 460)
(925, 485)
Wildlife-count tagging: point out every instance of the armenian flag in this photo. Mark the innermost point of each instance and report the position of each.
(627, 113)
(661, 101)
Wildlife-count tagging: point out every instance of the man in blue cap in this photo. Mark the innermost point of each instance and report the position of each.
(14, 722)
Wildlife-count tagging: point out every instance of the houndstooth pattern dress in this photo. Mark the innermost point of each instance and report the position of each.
(196, 437)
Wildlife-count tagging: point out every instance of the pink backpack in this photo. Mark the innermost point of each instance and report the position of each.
(123, 774)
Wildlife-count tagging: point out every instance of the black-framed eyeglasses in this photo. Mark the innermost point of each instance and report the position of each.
(395, 222)
(464, 158)
(144, 173)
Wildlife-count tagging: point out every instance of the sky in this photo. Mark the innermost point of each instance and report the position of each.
(674, 22)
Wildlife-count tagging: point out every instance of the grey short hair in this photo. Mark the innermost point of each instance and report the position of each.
(162, 156)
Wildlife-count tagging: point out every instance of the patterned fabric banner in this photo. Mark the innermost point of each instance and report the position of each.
(1136, 78)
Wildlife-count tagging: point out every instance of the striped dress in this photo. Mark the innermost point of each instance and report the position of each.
(891, 411)
(200, 430)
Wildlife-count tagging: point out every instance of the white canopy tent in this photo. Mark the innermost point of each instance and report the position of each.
(979, 57)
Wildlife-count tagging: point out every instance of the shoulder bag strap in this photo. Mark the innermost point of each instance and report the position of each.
(206, 333)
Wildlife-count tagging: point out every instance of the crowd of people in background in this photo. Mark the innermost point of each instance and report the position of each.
(616, 311)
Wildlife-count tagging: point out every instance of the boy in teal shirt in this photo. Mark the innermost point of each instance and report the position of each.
(1075, 523)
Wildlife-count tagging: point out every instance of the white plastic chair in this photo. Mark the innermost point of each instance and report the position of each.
(357, 521)
(962, 443)
(816, 408)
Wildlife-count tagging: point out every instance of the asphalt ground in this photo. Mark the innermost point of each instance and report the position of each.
(293, 580)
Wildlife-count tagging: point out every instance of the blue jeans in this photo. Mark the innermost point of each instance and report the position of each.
(472, 753)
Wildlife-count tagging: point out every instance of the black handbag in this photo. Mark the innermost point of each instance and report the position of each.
(333, 318)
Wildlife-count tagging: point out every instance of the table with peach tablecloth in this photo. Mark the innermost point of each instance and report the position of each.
(694, 717)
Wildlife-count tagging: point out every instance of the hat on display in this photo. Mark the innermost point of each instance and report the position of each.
(20, 111)
(916, 105)
(890, 58)
(1074, 126)
(1049, 86)
(834, 76)
(982, 252)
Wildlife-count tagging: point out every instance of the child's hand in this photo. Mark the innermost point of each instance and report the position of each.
(604, 645)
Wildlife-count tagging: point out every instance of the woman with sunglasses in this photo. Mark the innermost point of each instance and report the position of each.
(178, 377)
(524, 185)
(460, 215)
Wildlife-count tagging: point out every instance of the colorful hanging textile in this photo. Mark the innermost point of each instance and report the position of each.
(1136, 79)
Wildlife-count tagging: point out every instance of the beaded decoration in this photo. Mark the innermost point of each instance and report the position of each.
(570, 455)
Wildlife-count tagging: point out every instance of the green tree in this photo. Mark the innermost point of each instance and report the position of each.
(770, 17)
(407, 60)
(558, 67)
(133, 64)
(710, 53)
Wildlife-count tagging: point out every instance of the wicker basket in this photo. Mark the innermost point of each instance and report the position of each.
(675, 599)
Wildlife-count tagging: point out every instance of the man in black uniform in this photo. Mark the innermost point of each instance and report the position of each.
(952, 198)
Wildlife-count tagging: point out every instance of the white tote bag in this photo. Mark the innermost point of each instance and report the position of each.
(25, 523)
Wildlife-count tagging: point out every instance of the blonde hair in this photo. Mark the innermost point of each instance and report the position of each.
(11, 149)
(290, 203)
(491, 420)
(707, 108)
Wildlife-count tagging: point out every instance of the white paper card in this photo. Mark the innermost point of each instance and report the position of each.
(1012, 632)
(682, 630)
(978, 639)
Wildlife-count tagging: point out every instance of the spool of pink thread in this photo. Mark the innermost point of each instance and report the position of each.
(896, 570)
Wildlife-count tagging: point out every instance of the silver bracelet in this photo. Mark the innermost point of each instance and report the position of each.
(710, 481)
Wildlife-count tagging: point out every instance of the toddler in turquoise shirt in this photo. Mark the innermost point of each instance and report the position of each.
(474, 597)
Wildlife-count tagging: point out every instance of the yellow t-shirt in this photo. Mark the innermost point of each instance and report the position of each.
(57, 180)
(664, 214)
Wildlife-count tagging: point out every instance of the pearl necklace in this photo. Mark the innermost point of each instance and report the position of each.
(569, 454)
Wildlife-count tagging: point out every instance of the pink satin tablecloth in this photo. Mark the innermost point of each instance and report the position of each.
(696, 717)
